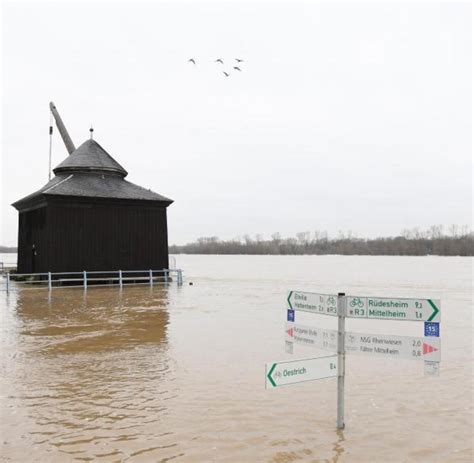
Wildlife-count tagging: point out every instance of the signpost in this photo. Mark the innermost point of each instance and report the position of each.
(427, 348)
(312, 302)
(393, 308)
(313, 337)
(404, 347)
(299, 371)
(399, 347)
(341, 359)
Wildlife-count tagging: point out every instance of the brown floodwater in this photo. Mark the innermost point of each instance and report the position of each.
(177, 374)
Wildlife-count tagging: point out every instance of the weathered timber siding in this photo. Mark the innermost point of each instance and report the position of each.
(77, 236)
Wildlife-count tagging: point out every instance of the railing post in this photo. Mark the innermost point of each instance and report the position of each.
(180, 277)
(151, 277)
(50, 285)
(165, 273)
(8, 282)
(120, 279)
(84, 275)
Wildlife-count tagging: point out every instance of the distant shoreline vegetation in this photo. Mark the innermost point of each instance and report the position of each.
(7, 249)
(457, 241)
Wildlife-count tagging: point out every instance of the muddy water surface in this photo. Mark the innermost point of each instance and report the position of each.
(160, 374)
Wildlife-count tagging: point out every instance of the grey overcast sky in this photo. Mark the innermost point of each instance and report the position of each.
(344, 117)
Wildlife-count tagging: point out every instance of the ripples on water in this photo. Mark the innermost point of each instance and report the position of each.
(159, 374)
(89, 371)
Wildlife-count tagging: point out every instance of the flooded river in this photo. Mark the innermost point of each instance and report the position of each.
(177, 374)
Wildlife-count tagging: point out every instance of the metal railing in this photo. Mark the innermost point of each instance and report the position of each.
(49, 280)
(5, 266)
(172, 262)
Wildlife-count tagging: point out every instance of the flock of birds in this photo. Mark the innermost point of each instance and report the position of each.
(221, 61)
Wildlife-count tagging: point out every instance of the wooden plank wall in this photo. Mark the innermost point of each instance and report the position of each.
(77, 237)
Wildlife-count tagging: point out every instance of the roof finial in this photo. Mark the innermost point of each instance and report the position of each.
(91, 130)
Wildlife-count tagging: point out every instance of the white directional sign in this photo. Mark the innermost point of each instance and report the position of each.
(406, 347)
(311, 336)
(431, 368)
(311, 302)
(393, 308)
(298, 371)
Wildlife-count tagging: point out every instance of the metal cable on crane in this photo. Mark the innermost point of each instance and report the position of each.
(50, 142)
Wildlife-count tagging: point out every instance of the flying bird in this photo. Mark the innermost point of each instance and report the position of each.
(238, 60)
(226, 74)
(191, 60)
(219, 60)
(237, 68)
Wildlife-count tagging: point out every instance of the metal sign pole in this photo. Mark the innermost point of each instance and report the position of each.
(341, 358)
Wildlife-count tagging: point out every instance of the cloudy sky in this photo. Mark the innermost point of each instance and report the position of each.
(344, 117)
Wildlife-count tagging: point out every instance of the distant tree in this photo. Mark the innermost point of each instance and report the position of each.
(413, 242)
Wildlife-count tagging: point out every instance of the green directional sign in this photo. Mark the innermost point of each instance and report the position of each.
(325, 304)
(388, 308)
(298, 371)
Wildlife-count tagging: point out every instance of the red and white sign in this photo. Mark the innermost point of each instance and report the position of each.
(393, 346)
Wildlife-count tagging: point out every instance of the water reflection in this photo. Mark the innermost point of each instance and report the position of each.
(90, 363)
(97, 320)
(338, 448)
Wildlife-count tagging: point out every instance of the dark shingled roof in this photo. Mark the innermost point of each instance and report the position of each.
(90, 172)
(90, 156)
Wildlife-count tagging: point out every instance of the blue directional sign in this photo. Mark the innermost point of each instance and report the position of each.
(432, 329)
(290, 315)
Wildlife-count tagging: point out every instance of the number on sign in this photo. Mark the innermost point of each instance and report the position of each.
(432, 329)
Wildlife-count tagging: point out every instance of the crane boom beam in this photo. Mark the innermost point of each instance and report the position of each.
(62, 129)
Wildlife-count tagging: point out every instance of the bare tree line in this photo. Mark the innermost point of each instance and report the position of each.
(455, 241)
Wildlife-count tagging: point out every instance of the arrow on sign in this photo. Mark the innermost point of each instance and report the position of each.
(435, 310)
(290, 332)
(269, 376)
(427, 349)
(312, 302)
(301, 370)
(289, 301)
